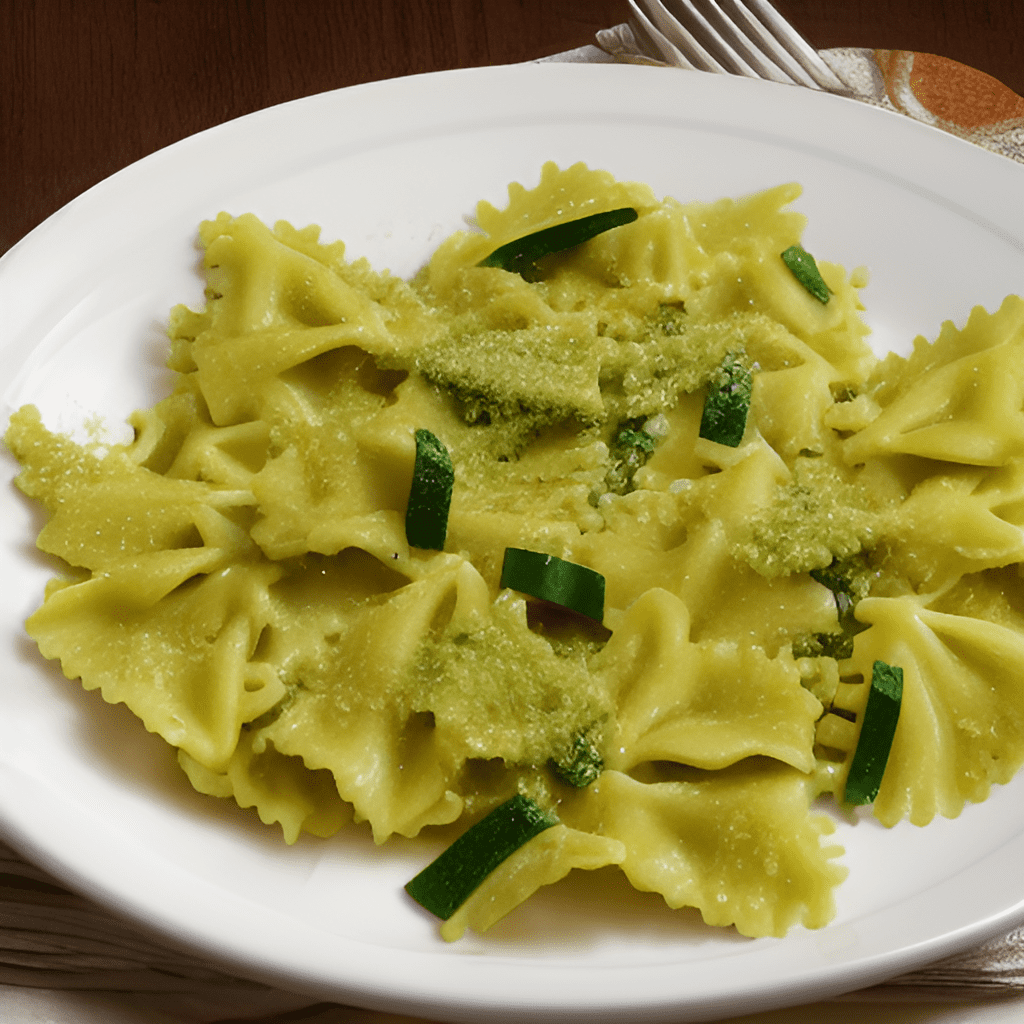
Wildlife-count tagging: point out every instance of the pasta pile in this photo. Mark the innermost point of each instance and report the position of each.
(239, 574)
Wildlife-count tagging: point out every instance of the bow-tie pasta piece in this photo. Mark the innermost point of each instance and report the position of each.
(961, 721)
(958, 522)
(740, 845)
(281, 789)
(178, 439)
(347, 709)
(959, 400)
(275, 303)
(707, 705)
(692, 547)
(170, 634)
(171, 604)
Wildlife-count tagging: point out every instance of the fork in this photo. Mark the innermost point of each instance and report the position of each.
(730, 37)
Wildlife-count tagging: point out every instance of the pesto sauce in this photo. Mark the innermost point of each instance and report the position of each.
(528, 698)
(505, 692)
(818, 516)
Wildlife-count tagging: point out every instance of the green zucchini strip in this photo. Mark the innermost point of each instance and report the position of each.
(426, 517)
(724, 419)
(876, 734)
(803, 267)
(520, 256)
(447, 882)
(553, 579)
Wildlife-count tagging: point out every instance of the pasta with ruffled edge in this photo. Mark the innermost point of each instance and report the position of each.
(257, 604)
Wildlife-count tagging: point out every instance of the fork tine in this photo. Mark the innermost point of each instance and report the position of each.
(653, 42)
(749, 36)
(681, 39)
(762, 14)
(731, 48)
(733, 37)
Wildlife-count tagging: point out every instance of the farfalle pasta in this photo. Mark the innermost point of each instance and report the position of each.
(240, 575)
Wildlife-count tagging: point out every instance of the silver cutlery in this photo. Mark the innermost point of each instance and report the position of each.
(734, 37)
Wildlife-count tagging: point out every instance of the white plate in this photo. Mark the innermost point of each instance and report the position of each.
(392, 168)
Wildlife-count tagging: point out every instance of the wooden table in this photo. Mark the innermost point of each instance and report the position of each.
(89, 86)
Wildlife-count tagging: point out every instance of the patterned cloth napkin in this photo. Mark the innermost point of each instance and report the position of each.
(936, 90)
(64, 958)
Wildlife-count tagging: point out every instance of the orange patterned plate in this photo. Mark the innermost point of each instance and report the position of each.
(936, 90)
(946, 94)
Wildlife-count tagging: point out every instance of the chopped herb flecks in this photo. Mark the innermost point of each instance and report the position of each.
(629, 451)
(847, 578)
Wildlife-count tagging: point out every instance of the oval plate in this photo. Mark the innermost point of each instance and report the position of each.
(392, 168)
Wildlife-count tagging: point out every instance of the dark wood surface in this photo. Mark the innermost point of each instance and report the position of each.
(89, 86)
